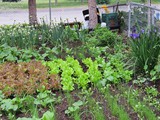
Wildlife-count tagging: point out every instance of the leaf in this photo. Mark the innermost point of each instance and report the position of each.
(78, 103)
(48, 116)
(10, 57)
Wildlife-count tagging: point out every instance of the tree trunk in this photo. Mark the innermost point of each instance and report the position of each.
(32, 12)
(92, 14)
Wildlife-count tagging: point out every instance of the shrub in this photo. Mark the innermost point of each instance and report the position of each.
(25, 78)
(106, 37)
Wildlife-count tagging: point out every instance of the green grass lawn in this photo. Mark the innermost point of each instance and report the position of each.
(40, 4)
(23, 4)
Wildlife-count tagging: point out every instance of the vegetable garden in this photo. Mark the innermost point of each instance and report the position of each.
(52, 72)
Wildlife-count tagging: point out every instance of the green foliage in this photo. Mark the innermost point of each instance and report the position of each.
(25, 36)
(8, 53)
(75, 107)
(44, 98)
(103, 1)
(48, 116)
(106, 37)
(95, 74)
(146, 50)
(139, 106)
(12, 54)
(116, 109)
(151, 91)
(113, 70)
(31, 37)
(155, 73)
(28, 103)
(10, 106)
(72, 73)
(22, 36)
(48, 53)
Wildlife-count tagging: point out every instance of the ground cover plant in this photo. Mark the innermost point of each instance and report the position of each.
(58, 73)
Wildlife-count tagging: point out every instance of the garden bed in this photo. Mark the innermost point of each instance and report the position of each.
(76, 75)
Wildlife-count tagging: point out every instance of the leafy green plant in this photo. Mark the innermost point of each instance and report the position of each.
(151, 91)
(48, 53)
(93, 72)
(12, 54)
(75, 107)
(8, 53)
(48, 116)
(72, 73)
(45, 97)
(106, 37)
(11, 106)
(151, 98)
(113, 70)
(146, 50)
(139, 106)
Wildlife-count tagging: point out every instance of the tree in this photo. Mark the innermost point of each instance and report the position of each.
(32, 12)
(92, 14)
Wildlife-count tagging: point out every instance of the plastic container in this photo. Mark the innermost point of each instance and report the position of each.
(111, 19)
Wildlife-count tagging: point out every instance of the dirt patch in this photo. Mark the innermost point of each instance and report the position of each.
(100, 98)
(60, 109)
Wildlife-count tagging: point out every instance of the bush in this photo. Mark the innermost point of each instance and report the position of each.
(106, 37)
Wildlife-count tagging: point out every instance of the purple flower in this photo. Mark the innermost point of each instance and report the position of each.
(133, 29)
(142, 31)
(134, 35)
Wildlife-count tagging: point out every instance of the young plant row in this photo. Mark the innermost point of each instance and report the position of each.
(32, 106)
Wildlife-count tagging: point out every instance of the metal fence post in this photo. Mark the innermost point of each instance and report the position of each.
(149, 14)
(50, 18)
(129, 19)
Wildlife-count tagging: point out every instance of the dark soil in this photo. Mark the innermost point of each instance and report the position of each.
(85, 113)
(100, 98)
(133, 115)
(60, 109)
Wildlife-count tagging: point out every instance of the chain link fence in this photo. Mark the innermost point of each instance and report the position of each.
(143, 17)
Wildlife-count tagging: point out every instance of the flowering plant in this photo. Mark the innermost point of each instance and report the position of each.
(146, 48)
